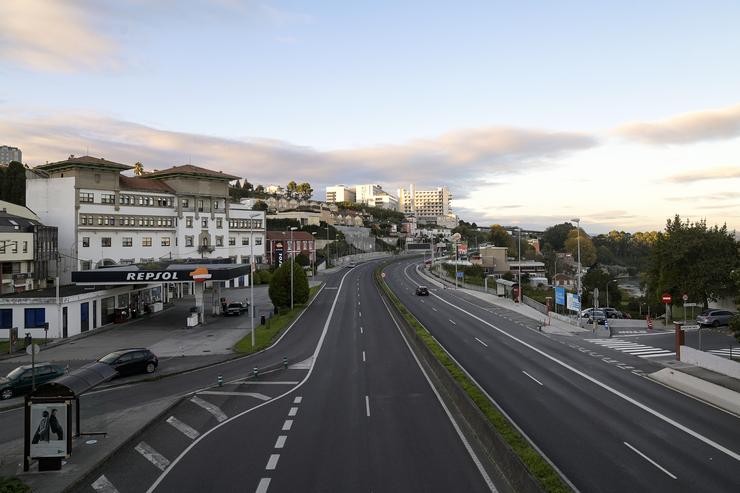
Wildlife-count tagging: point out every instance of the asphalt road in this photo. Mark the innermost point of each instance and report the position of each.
(590, 409)
(362, 418)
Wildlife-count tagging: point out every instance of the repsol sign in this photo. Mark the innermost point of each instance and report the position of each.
(152, 276)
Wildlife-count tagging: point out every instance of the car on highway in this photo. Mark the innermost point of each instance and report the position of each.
(131, 361)
(714, 317)
(422, 291)
(350, 265)
(235, 308)
(20, 381)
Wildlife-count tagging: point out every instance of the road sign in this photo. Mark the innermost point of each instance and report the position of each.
(685, 297)
(33, 347)
(694, 304)
(382, 274)
(666, 298)
(460, 274)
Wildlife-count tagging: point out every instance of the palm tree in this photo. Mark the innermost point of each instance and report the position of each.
(138, 169)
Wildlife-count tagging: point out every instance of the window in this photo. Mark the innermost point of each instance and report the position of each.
(219, 222)
(100, 221)
(35, 317)
(146, 241)
(185, 203)
(189, 222)
(203, 222)
(25, 247)
(200, 206)
(165, 241)
(85, 241)
(105, 241)
(127, 241)
(219, 241)
(188, 241)
(232, 241)
(83, 220)
(258, 241)
(108, 198)
(245, 240)
(6, 318)
(87, 197)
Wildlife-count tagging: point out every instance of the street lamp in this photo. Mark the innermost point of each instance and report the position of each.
(578, 232)
(251, 270)
(291, 250)
(520, 263)
(313, 257)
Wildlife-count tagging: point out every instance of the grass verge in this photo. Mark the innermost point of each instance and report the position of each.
(4, 345)
(264, 335)
(538, 467)
(13, 485)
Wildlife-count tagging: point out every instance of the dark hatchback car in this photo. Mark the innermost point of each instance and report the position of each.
(131, 361)
(422, 291)
(20, 381)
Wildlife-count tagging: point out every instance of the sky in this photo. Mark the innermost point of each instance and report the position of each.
(532, 113)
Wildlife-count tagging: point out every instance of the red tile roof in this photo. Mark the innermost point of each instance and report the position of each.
(142, 183)
(189, 169)
(285, 235)
(84, 161)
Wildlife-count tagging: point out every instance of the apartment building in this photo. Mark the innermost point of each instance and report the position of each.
(431, 206)
(340, 193)
(107, 218)
(9, 154)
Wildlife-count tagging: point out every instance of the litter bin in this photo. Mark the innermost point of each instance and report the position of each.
(262, 320)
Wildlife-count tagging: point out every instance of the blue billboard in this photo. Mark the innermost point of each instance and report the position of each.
(560, 295)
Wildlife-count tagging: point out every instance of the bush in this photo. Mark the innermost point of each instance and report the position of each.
(280, 285)
(13, 485)
(735, 326)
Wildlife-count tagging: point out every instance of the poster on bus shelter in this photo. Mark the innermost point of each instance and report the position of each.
(48, 429)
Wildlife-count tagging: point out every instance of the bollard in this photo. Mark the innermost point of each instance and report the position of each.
(256, 372)
(285, 362)
(220, 380)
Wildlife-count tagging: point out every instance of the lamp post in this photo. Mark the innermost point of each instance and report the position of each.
(251, 271)
(291, 250)
(578, 233)
(520, 263)
(313, 257)
(327, 245)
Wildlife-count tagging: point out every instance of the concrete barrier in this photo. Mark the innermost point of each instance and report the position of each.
(706, 391)
(710, 361)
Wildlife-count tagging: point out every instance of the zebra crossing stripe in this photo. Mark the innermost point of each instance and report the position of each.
(211, 408)
(186, 430)
(160, 461)
(635, 349)
(102, 485)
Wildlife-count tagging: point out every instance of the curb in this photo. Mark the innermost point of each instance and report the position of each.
(712, 393)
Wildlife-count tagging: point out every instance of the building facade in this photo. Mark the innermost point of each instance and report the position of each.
(340, 193)
(283, 245)
(9, 154)
(106, 218)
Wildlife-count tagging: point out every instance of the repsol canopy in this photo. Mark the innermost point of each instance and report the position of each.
(134, 274)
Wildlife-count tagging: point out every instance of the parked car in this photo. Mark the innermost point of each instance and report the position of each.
(20, 381)
(714, 317)
(236, 308)
(598, 315)
(422, 291)
(350, 265)
(612, 312)
(131, 361)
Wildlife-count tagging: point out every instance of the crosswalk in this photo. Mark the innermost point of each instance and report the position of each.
(733, 353)
(632, 348)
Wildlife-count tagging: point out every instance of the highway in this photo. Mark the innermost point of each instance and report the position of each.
(588, 408)
(357, 414)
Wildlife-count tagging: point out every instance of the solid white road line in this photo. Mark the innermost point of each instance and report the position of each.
(186, 430)
(287, 425)
(363, 356)
(530, 376)
(293, 411)
(264, 484)
(152, 456)
(272, 462)
(298, 400)
(102, 485)
(481, 342)
(281, 441)
(367, 406)
(253, 382)
(211, 408)
(650, 460)
(256, 395)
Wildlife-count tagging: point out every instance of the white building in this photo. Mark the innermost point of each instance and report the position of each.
(275, 190)
(105, 218)
(9, 154)
(430, 206)
(340, 193)
(374, 196)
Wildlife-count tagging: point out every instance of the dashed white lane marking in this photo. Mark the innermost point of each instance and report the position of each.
(298, 400)
(211, 408)
(367, 406)
(483, 343)
(359, 314)
(256, 395)
(281, 441)
(264, 484)
(434, 309)
(287, 425)
(650, 460)
(363, 356)
(272, 462)
(102, 485)
(159, 460)
(360, 330)
(452, 322)
(186, 430)
(293, 411)
(530, 376)
(422, 301)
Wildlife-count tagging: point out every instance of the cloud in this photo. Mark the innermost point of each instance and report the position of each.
(687, 128)
(49, 35)
(459, 159)
(718, 173)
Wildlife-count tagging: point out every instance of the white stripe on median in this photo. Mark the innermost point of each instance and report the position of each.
(211, 408)
(102, 485)
(159, 460)
(256, 395)
(186, 430)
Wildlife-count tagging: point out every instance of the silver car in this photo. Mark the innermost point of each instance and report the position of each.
(714, 317)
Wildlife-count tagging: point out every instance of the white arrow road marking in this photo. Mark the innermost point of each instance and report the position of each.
(650, 460)
(211, 408)
(152, 456)
(186, 430)
(256, 395)
(102, 485)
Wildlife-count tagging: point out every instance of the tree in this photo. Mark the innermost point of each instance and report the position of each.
(303, 260)
(588, 251)
(279, 290)
(292, 189)
(304, 190)
(555, 236)
(138, 168)
(259, 206)
(499, 236)
(14, 184)
(260, 189)
(693, 259)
